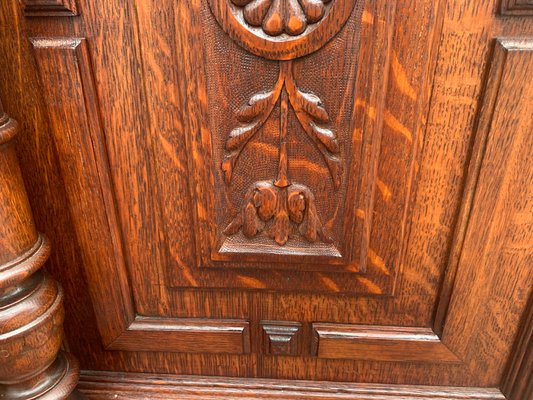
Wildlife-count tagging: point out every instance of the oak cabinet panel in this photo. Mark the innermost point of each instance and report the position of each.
(315, 190)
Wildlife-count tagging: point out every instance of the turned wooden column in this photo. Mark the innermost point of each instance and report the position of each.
(31, 302)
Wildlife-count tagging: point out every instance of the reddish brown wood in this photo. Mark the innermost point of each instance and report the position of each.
(98, 385)
(50, 8)
(380, 343)
(405, 125)
(31, 303)
(282, 338)
(192, 335)
(518, 380)
(517, 7)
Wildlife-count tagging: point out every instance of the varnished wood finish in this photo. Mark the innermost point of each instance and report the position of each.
(518, 381)
(31, 303)
(218, 175)
(103, 386)
(192, 335)
(380, 343)
(282, 338)
(517, 7)
(50, 8)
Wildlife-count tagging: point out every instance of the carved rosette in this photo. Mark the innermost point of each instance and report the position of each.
(282, 16)
(282, 30)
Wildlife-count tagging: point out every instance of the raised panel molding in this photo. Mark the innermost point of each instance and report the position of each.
(517, 7)
(50, 8)
(494, 233)
(189, 335)
(305, 187)
(69, 91)
(379, 343)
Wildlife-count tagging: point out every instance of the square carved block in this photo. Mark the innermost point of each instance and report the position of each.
(281, 338)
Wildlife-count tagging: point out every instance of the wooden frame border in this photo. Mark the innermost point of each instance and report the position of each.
(111, 385)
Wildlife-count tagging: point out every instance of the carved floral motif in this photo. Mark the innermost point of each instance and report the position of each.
(279, 212)
(282, 16)
(282, 208)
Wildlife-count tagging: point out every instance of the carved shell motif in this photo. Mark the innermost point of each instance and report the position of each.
(282, 16)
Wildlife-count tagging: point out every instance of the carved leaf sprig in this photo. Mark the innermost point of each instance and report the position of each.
(251, 116)
(312, 116)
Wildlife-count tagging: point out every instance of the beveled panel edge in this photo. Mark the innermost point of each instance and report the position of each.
(56, 55)
(187, 335)
(379, 343)
(517, 382)
(482, 129)
(50, 8)
(516, 8)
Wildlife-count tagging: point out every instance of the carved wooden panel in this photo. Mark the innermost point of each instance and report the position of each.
(517, 7)
(50, 8)
(305, 169)
(284, 197)
(283, 133)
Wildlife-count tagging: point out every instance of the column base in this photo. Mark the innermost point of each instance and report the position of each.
(57, 382)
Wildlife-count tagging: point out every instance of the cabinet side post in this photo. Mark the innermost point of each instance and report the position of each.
(31, 302)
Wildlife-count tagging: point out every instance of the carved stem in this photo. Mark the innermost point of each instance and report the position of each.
(31, 303)
(282, 180)
(285, 74)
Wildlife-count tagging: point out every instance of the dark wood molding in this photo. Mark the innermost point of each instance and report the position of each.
(110, 385)
(31, 302)
(380, 343)
(518, 380)
(50, 8)
(517, 7)
(281, 338)
(191, 335)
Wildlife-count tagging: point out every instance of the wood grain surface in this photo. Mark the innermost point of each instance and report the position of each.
(248, 167)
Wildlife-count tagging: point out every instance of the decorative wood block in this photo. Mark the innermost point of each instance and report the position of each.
(281, 338)
(31, 303)
(517, 7)
(379, 343)
(282, 209)
(191, 335)
(50, 8)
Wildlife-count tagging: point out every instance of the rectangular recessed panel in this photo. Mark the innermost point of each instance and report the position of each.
(70, 96)
(272, 209)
